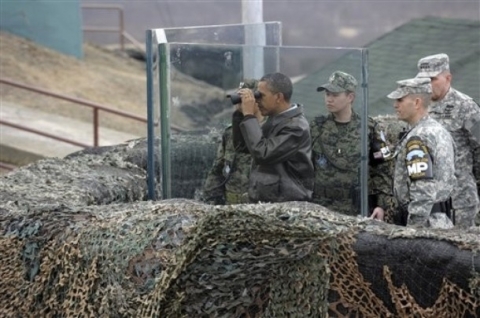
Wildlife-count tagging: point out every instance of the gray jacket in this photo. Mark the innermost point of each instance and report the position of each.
(282, 169)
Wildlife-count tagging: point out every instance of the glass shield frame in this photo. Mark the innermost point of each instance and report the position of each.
(268, 33)
(309, 67)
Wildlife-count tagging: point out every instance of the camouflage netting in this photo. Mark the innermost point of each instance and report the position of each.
(180, 258)
(52, 184)
(76, 240)
(192, 155)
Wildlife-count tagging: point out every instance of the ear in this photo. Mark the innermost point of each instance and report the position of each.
(448, 77)
(280, 97)
(418, 103)
(351, 96)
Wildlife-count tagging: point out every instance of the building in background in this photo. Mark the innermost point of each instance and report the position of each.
(395, 55)
(54, 24)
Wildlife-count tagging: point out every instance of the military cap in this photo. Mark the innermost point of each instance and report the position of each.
(432, 65)
(417, 85)
(339, 82)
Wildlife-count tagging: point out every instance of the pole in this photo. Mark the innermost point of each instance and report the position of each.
(150, 120)
(364, 137)
(252, 11)
(253, 55)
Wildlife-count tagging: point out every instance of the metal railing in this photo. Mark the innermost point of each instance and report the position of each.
(94, 106)
(121, 26)
(7, 166)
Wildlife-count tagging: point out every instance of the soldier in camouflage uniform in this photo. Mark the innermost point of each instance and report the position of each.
(227, 181)
(424, 178)
(336, 154)
(460, 115)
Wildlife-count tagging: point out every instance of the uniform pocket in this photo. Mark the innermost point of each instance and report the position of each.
(267, 187)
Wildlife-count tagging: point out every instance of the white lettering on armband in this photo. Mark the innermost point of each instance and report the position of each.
(418, 160)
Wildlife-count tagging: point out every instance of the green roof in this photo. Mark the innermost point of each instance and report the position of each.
(394, 56)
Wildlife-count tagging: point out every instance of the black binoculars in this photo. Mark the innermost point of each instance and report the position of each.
(236, 99)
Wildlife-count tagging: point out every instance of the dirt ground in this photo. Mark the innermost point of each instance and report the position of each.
(103, 76)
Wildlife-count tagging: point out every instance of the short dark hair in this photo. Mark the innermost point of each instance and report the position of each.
(425, 97)
(279, 83)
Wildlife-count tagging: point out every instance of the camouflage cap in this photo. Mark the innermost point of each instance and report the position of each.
(432, 65)
(339, 82)
(249, 83)
(417, 85)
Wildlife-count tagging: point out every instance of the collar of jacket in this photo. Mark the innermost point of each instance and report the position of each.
(354, 117)
(290, 113)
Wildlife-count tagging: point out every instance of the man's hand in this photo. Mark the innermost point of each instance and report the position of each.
(248, 106)
(378, 214)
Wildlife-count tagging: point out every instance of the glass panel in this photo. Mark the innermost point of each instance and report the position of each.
(222, 34)
(258, 34)
(198, 103)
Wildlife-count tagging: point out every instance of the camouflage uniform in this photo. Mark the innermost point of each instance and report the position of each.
(476, 174)
(425, 165)
(228, 179)
(336, 156)
(460, 115)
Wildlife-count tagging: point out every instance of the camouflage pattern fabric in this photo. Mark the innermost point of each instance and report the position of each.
(227, 181)
(460, 115)
(76, 240)
(432, 65)
(339, 82)
(418, 196)
(477, 219)
(411, 86)
(476, 174)
(336, 156)
(179, 258)
(380, 190)
(393, 129)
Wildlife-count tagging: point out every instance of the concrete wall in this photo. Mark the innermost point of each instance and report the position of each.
(56, 24)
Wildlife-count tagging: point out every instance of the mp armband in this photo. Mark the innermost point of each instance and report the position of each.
(418, 160)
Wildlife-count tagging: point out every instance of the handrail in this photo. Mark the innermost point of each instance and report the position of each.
(94, 106)
(44, 134)
(73, 99)
(121, 27)
(7, 166)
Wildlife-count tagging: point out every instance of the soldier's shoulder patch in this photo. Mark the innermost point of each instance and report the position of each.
(418, 160)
